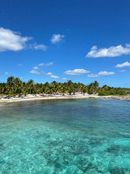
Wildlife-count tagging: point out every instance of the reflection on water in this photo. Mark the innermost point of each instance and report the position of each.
(65, 137)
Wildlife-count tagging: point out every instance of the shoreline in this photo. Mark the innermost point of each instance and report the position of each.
(59, 97)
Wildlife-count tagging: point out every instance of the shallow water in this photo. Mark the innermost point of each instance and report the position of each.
(65, 137)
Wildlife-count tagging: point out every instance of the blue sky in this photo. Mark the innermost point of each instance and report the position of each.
(81, 40)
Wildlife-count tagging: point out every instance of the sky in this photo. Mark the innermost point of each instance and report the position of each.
(78, 40)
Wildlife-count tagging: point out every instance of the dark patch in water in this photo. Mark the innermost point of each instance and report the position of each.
(95, 142)
(116, 149)
(1, 146)
(117, 170)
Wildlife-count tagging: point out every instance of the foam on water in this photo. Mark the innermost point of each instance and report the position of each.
(65, 137)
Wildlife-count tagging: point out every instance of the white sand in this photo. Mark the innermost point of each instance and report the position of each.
(55, 97)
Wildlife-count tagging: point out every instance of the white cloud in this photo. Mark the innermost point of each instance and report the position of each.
(52, 75)
(41, 47)
(92, 75)
(56, 38)
(36, 67)
(122, 65)
(64, 78)
(34, 71)
(105, 73)
(101, 73)
(113, 51)
(49, 73)
(46, 64)
(76, 72)
(11, 41)
(37, 70)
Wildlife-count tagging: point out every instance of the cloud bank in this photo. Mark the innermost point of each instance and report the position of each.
(123, 65)
(113, 51)
(76, 72)
(101, 73)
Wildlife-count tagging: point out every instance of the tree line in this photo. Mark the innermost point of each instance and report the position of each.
(15, 86)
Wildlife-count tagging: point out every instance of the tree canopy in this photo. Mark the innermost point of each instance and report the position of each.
(15, 86)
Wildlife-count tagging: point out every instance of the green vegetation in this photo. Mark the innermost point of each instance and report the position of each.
(15, 86)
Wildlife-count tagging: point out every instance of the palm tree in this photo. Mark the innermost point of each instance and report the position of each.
(93, 87)
(30, 87)
(10, 86)
(18, 85)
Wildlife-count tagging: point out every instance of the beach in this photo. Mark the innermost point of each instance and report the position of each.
(32, 97)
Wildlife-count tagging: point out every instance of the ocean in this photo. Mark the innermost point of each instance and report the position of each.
(84, 136)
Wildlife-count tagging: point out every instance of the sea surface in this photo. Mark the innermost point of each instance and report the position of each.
(89, 136)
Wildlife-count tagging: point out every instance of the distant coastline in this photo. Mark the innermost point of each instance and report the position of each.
(16, 90)
(37, 97)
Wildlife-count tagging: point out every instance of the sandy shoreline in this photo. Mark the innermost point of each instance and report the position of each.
(58, 97)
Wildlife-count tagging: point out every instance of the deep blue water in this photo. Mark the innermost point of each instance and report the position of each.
(65, 137)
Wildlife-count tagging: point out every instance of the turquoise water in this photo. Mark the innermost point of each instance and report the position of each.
(65, 137)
